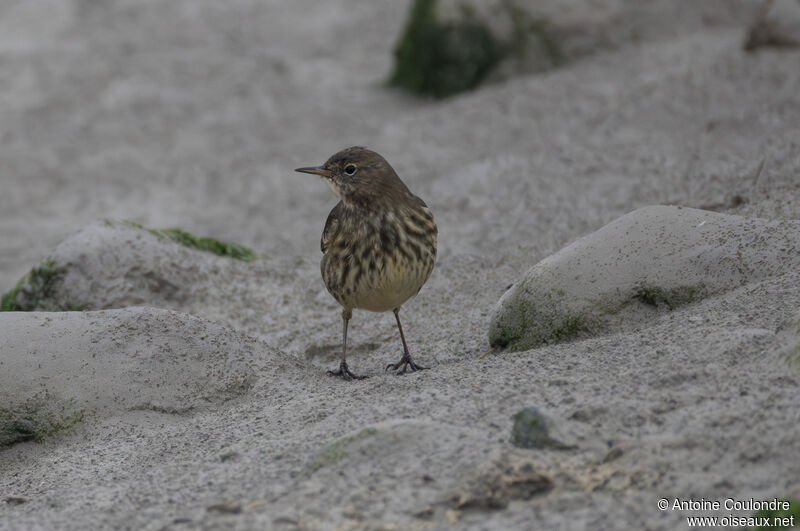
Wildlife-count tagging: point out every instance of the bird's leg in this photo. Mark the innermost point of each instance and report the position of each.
(405, 362)
(344, 370)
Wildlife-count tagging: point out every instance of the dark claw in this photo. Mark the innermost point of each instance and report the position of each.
(406, 363)
(344, 372)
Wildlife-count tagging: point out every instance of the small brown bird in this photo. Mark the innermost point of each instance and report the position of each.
(379, 242)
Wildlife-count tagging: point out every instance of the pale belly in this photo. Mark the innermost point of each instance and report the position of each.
(391, 291)
(382, 289)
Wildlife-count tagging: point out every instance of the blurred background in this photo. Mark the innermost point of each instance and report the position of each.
(523, 124)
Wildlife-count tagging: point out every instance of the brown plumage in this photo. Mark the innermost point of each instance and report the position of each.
(379, 242)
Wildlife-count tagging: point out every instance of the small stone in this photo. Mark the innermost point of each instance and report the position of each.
(778, 25)
(229, 457)
(15, 500)
(531, 430)
(613, 454)
(225, 508)
(589, 413)
(424, 514)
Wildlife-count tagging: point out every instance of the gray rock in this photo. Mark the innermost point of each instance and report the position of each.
(58, 367)
(115, 264)
(532, 429)
(543, 34)
(654, 259)
(778, 25)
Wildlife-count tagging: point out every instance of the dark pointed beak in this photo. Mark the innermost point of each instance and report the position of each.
(316, 170)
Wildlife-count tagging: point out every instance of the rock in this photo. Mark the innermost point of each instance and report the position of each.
(225, 508)
(59, 367)
(777, 25)
(443, 58)
(615, 453)
(15, 500)
(426, 513)
(654, 259)
(508, 478)
(532, 429)
(789, 336)
(33, 291)
(450, 46)
(539, 35)
(369, 463)
(114, 264)
(36, 418)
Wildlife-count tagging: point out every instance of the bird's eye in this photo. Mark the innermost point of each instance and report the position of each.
(350, 169)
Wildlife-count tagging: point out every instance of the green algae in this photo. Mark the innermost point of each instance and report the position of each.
(554, 318)
(231, 250)
(201, 243)
(33, 290)
(36, 421)
(536, 327)
(671, 298)
(443, 58)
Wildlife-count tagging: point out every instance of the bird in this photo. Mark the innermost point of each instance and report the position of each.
(378, 245)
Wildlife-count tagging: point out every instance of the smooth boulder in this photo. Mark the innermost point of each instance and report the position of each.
(653, 259)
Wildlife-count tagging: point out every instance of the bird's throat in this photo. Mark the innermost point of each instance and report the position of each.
(335, 188)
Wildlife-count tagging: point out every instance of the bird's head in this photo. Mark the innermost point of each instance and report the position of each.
(360, 177)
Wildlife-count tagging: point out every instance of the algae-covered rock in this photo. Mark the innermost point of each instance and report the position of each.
(113, 264)
(451, 46)
(443, 58)
(37, 418)
(654, 259)
(35, 291)
(201, 243)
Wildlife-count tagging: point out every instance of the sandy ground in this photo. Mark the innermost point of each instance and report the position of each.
(200, 381)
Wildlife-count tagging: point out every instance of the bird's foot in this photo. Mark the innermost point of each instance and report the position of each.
(345, 372)
(405, 363)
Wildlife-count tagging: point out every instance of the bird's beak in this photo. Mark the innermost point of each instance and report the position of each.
(316, 170)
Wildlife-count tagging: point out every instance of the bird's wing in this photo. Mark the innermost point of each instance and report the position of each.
(331, 226)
